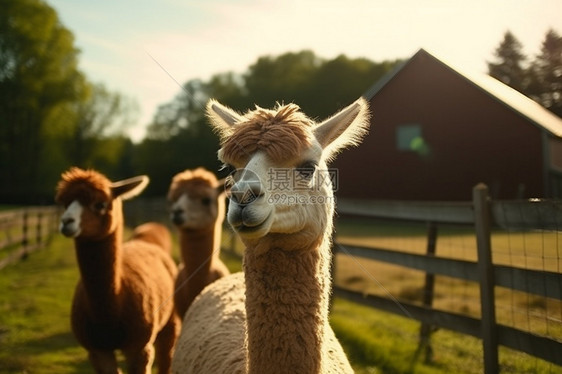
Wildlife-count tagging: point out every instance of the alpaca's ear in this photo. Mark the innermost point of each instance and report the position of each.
(129, 188)
(222, 187)
(222, 118)
(346, 128)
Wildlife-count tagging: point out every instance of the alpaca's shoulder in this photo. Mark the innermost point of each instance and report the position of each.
(213, 330)
(226, 294)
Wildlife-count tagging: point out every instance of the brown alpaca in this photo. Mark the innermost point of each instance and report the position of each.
(123, 299)
(274, 318)
(154, 233)
(197, 203)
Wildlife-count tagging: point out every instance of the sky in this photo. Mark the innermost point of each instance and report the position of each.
(144, 49)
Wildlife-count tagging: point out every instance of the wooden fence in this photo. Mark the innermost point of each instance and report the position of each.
(25, 230)
(484, 215)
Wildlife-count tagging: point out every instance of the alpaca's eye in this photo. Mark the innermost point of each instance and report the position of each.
(100, 206)
(227, 168)
(229, 181)
(206, 201)
(306, 169)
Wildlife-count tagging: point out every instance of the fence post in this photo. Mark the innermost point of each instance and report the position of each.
(38, 228)
(24, 238)
(427, 296)
(485, 267)
(52, 223)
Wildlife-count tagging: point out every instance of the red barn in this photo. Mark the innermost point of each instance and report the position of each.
(436, 132)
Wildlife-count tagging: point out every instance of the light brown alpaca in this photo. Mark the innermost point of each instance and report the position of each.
(123, 299)
(154, 233)
(274, 319)
(197, 204)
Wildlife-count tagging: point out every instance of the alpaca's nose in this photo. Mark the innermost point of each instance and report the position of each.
(177, 216)
(245, 193)
(67, 221)
(68, 227)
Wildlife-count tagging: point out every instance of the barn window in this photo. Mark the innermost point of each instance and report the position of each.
(407, 135)
(409, 138)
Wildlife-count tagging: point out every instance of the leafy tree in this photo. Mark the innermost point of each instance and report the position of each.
(228, 88)
(114, 155)
(100, 116)
(509, 66)
(319, 86)
(179, 137)
(38, 74)
(171, 118)
(340, 81)
(285, 78)
(161, 160)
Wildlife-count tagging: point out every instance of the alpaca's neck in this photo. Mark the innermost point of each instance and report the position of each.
(287, 295)
(199, 249)
(100, 269)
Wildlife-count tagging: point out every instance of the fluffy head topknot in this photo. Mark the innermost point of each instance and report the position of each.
(282, 133)
(78, 183)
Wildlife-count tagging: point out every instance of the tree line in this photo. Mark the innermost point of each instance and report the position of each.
(181, 137)
(53, 117)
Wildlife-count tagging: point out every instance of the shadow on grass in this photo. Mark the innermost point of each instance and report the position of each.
(42, 355)
(55, 342)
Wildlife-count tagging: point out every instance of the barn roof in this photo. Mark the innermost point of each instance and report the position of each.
(499, 91)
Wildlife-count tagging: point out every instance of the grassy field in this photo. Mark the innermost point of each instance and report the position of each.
(378, 342)
(34, 314)
(35, 336)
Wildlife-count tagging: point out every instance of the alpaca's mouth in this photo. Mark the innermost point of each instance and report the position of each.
(247, 229)
(244, 229)
(69, 231)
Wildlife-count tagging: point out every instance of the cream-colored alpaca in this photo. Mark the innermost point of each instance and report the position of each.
(282, 206)
(197, 203)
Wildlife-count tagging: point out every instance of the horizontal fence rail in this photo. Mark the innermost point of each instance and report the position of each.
(25, 230)
(444, 212)
(482, 214)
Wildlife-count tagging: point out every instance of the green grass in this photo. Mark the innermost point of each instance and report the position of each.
(34, 313)
(9, 207)
(376, 340)
(379, 342)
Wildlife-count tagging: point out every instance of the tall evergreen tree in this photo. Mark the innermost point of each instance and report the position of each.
(509, 66)
(546, 72)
